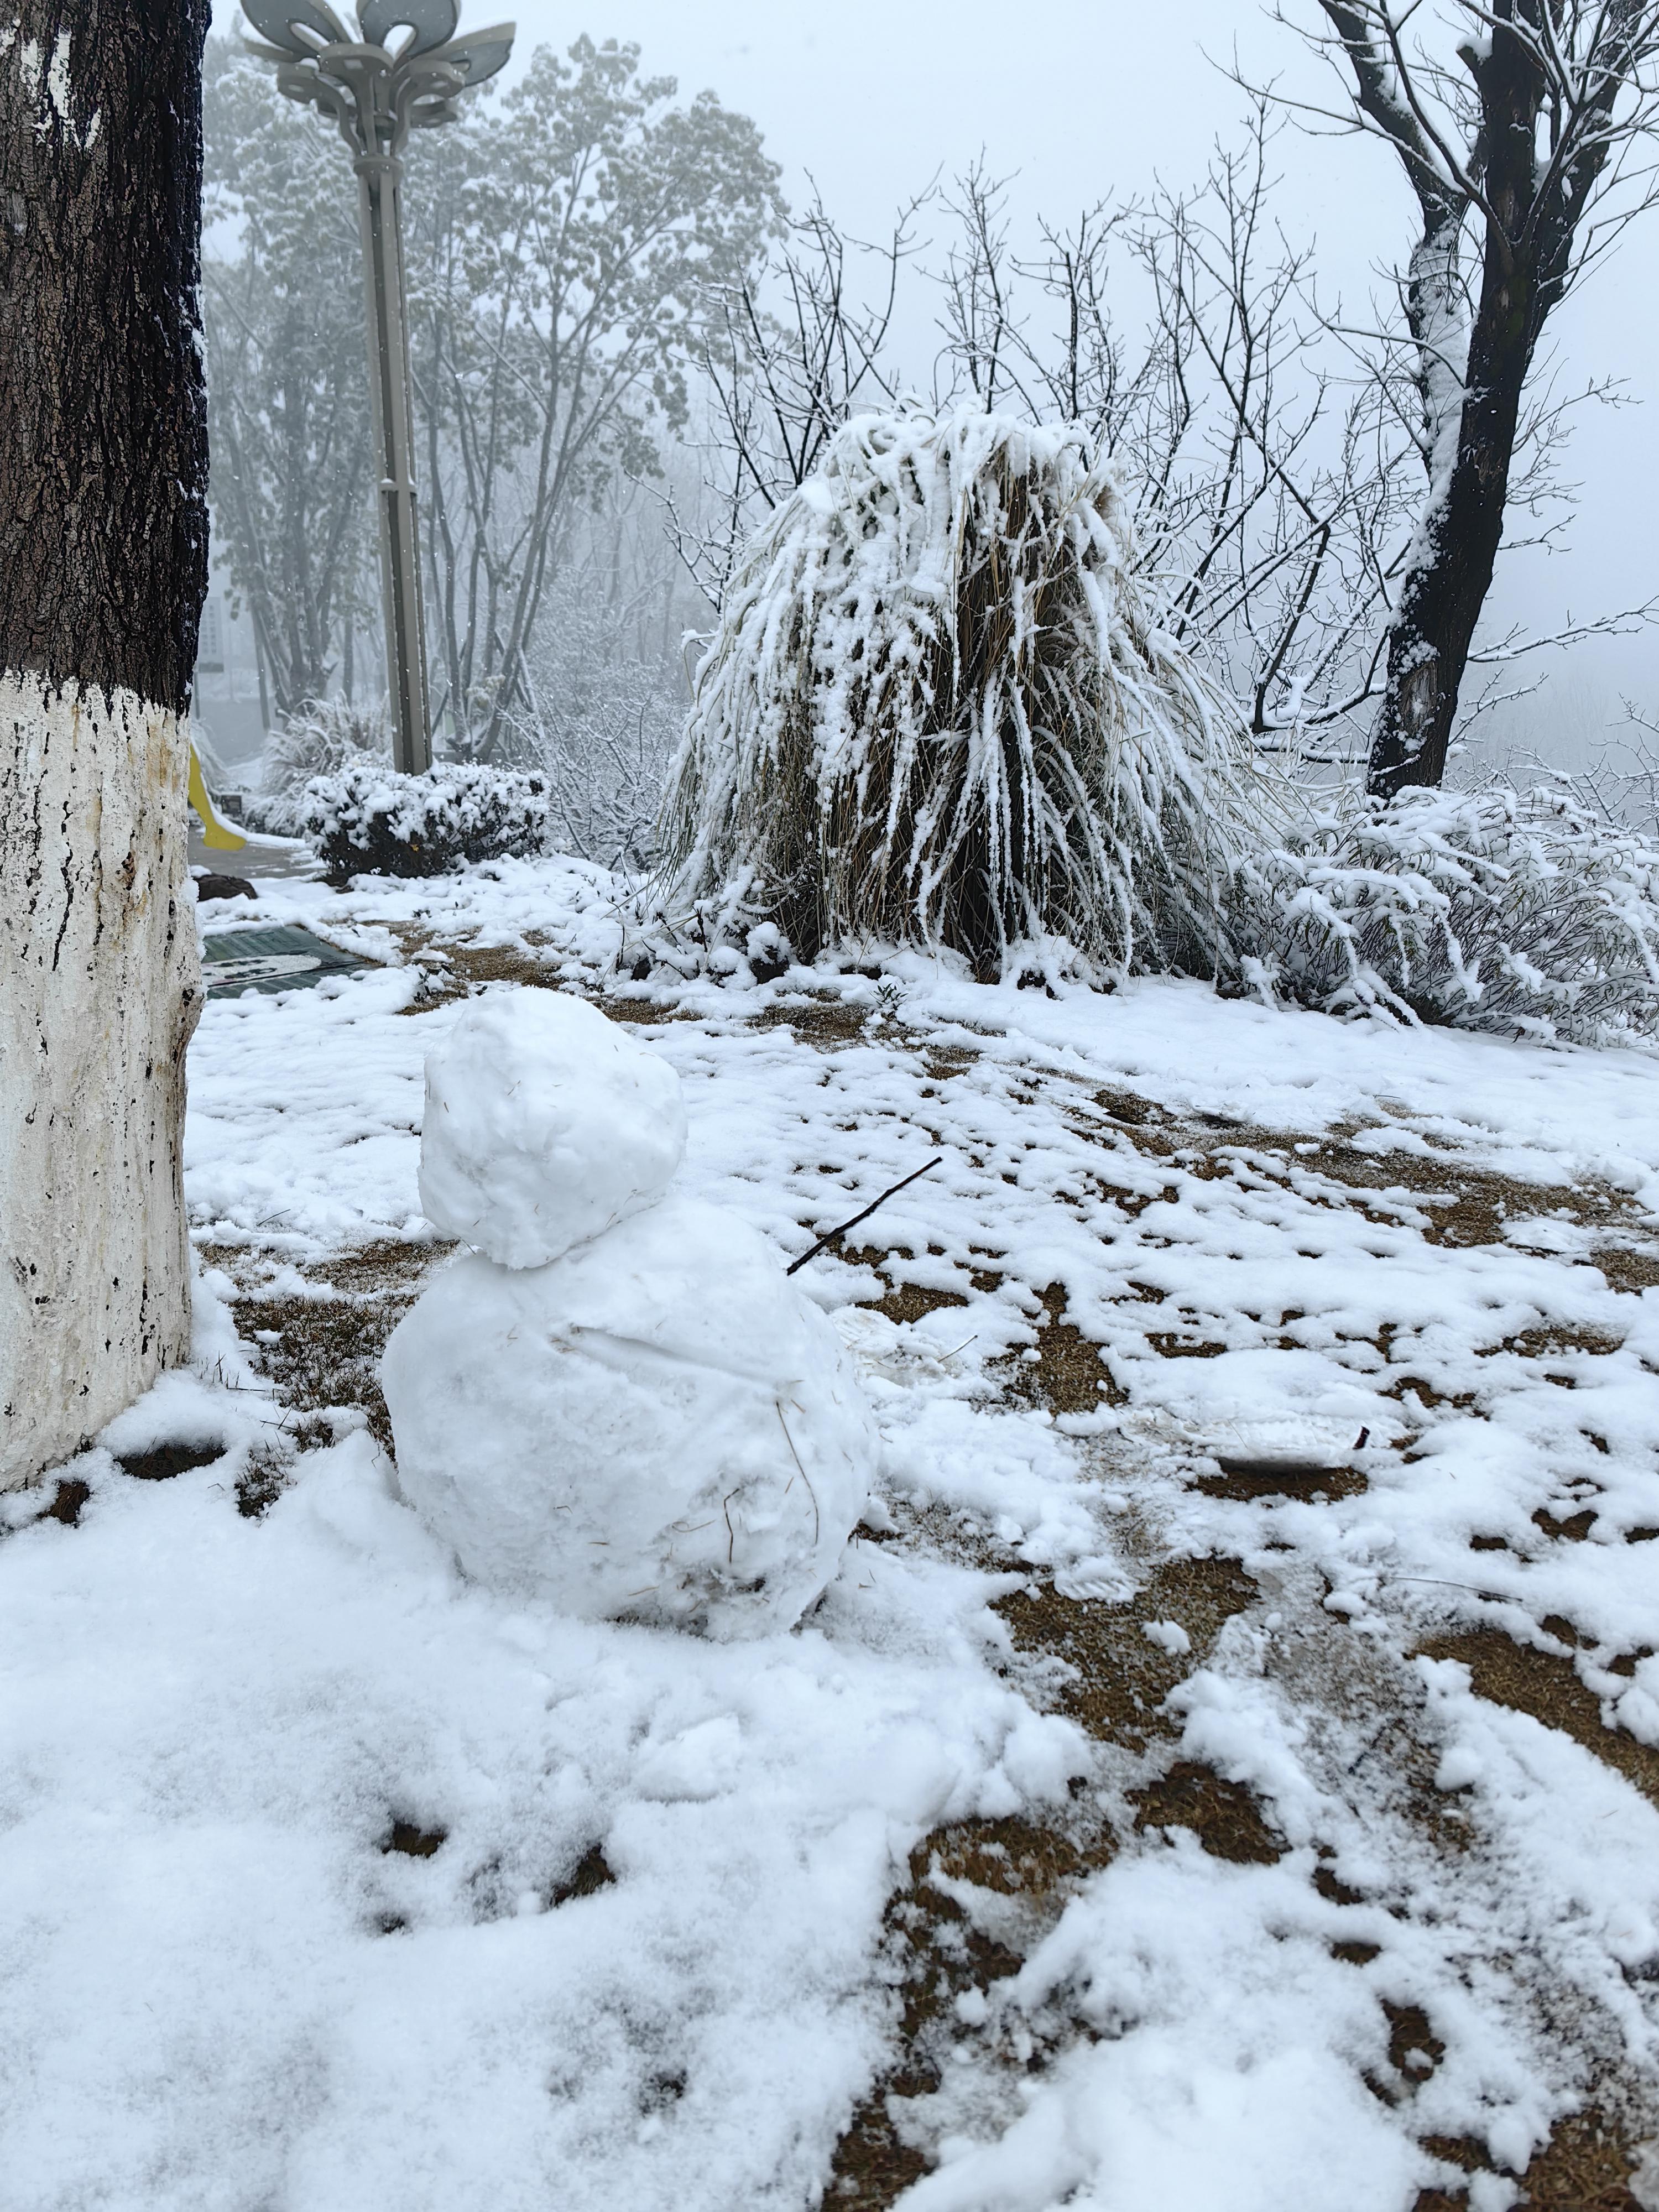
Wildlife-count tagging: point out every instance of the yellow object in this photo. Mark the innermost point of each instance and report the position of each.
(213, 832)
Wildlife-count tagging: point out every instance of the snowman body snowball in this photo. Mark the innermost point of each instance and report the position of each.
(644, 1420)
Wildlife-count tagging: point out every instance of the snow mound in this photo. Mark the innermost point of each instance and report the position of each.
(546, 1125)
(658, 1426)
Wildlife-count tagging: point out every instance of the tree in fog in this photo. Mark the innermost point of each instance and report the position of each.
(1524, 130)
(564, 248)
(287, 376)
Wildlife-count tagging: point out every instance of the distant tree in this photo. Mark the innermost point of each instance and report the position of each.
(288, 376)
(565, 252)
(1524, 132)
(103, 568)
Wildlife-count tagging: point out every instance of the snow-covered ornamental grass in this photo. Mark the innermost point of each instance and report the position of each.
(936, 714)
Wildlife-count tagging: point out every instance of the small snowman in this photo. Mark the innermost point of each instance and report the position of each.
(616, 1402)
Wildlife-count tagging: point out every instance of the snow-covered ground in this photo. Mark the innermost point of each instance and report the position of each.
(653, 1962)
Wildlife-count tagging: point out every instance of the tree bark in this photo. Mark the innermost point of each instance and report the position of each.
(1530, 208)
(103, 570)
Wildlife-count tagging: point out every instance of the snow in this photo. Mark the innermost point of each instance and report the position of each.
(544, 1124)
(214, 1721)
(658, 1424)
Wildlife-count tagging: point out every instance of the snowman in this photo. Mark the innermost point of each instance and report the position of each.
(615, 1403)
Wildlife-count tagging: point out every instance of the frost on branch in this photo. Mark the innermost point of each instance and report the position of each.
(1516, 913)
(936, 714)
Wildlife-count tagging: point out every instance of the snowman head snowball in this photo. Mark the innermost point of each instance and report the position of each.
(617, 1403)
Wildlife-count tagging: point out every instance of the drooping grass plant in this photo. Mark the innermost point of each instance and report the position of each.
(935, 714)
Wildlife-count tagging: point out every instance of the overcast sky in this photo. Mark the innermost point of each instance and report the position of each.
(1087, 98)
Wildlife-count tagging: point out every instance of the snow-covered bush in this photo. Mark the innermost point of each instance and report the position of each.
(322, 739)
(1520, 913)
(369, 820)
(936, 713)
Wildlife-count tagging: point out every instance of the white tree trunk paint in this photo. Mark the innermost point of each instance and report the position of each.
(99, 990)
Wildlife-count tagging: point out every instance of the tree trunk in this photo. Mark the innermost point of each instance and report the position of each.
(1470, 446)
(103, 570)
(1446, 587)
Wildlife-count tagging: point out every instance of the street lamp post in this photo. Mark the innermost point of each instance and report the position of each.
(377, 93)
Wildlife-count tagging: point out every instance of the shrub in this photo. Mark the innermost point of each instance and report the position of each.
(1522, 914)
(936, 713)
(369, 820)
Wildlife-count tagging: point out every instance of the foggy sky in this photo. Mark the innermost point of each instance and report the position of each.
(1088, 99)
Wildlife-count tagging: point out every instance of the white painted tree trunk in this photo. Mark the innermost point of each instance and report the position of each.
(99, 990)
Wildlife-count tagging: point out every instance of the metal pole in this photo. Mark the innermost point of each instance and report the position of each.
(380, 178)
(375, 95)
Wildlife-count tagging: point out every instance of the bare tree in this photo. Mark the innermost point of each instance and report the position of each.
(103, 568)
(1523, 134)
(1265, 469)
(790, 350)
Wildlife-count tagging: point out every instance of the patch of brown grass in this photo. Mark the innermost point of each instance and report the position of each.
(1225, 1816)
(1068, 1375)
(1528, 1680)
(1119, 1678)
(1585, 2166)
(327, 1353)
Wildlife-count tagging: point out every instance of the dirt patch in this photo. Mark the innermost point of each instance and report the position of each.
(1555, 1339)
(1466, 1205)
(1627, 1269)
(412, 1841)
(1528, 1680)
(1574, 1528)
(1170, 1343)
(165, 1461)
(826, 1022)
(1114, 1681)
(1243, 1481)
(1585, 2166)
(66, 1503)
(591, 1874)
(1225, 1816)
(1119, 1678)
(902, 1302)
(1068, 1375)
(936, 1951)
(1414, 2051)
